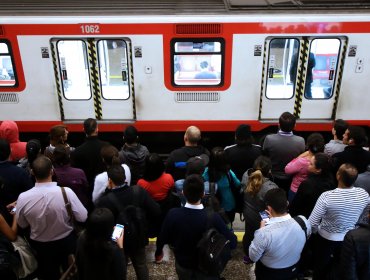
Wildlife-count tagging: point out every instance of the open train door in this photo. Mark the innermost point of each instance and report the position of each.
(302, 77)
(94, 79)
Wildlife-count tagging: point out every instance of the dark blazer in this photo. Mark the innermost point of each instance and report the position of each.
(87, 157)
(309, 192)
(355, 254)
(355, 155)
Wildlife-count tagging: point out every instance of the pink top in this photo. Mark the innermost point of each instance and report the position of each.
(298, 167)
(158, 189)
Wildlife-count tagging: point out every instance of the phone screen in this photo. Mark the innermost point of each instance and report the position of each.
(264, 216)
(117, 232)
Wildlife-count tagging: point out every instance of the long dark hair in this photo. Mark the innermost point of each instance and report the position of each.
(96, 244)
(218, 165)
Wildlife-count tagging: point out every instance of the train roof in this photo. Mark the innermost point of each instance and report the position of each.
(174, 7)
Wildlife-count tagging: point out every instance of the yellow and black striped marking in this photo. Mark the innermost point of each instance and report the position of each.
(339, 80)
(301, 77)
(94, 77)
(131, 75)
(263, 79)
(57, 81)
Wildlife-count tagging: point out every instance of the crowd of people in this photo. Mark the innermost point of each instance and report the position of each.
(305, 204)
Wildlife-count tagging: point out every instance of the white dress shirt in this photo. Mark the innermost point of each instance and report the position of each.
(43, 209)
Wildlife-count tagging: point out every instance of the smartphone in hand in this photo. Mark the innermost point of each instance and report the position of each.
(117, 232)
(264, 216)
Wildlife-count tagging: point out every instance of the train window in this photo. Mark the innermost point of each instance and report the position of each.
(113, 69)
(7, 75)
(74, 69)
(282, 70)
(321, 69)
(197, 62)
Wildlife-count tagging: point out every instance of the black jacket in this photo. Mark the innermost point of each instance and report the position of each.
(355, 256)
(87, 157)
(308, 193)
(242, 157)
(176, 162)
(355, 155)
(125, 196)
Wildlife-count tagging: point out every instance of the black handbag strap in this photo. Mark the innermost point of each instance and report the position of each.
(302, 224)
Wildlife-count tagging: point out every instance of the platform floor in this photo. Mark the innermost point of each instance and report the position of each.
(235, 270)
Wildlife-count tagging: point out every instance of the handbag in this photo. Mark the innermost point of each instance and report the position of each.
(72, 272)
(76, 226)
(28, 260)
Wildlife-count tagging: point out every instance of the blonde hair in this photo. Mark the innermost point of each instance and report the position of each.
(255, 182)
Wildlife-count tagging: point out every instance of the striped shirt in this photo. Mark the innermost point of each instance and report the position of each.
(337, 211)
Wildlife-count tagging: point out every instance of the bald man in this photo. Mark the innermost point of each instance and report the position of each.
(176, 162)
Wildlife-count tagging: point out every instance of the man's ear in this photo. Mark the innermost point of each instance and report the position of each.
(337, 176)
(110, 183)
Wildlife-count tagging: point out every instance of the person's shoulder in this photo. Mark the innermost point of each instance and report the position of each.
(256, 148)
(25, 195)
(77, 171)
(104, 201)
(361, 191)
(167, 177)
(69, 192)
(176, 151)
(298, 138)
(229, 148)
(102, 177)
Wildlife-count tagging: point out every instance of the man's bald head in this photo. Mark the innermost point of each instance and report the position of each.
(192, 135)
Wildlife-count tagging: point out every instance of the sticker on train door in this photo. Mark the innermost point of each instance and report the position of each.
(45, 52)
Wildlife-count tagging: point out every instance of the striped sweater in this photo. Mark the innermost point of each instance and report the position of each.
(337, 211)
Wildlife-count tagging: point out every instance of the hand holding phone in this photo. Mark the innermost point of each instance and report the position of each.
(117, 232)
(264, 216)
(13, 210)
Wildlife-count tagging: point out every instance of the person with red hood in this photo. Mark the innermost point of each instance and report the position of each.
(9, 131)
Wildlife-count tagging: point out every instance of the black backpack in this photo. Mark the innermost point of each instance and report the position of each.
(134, 220)
(214, 250)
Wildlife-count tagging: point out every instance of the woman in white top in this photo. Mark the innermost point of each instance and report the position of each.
(110, 157)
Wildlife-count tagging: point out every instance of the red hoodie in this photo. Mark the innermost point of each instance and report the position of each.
(9, 132)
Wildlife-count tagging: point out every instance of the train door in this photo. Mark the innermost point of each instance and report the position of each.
(302, 77)
(93, 78)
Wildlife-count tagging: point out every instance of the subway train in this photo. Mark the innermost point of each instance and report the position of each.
(165, 65)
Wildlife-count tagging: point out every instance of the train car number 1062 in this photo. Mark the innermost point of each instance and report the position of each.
(90, 28)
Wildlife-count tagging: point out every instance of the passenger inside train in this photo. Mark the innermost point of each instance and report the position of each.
(319, 228)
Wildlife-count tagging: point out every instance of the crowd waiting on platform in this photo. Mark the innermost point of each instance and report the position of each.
(305, 204)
